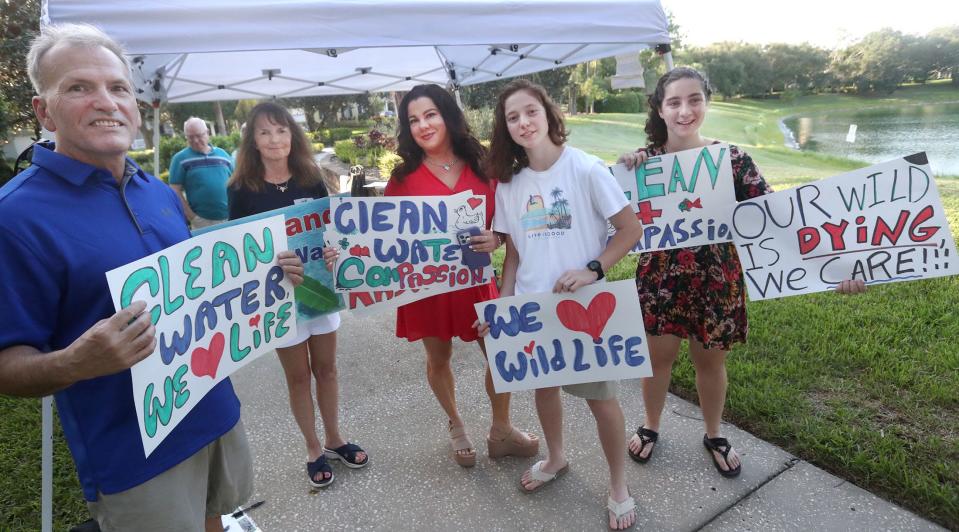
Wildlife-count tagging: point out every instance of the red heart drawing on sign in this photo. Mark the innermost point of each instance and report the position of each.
(474, 202)
(206, 361)
(529, 348)
(591, 320)
(255, 321)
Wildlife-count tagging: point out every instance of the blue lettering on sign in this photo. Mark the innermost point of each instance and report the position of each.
(612, 351)
(520, 320)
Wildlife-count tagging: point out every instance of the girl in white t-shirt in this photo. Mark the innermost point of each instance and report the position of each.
(560, 249)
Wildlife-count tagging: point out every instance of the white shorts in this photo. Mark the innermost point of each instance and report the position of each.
(324, 324)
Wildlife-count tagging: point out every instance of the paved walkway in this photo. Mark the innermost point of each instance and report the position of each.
(413, 484)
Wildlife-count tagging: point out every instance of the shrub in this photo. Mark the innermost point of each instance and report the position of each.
(345, 150)
(318, 147)
(481, 122)
(624, 102)
(386, 163)
(169, 146)
(227, 143)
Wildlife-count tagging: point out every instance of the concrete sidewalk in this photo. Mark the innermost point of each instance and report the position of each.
(413, 484)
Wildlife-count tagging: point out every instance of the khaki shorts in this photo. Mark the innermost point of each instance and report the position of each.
(592, 390)
(212, 482)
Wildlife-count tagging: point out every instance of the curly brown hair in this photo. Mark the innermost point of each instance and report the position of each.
(506, 157)
(249, 170)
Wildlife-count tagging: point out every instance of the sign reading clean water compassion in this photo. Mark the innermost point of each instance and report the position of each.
(682, 199)
(880, 224)
(409, 244)
(542, 340)
(218, 301)
(306, 224)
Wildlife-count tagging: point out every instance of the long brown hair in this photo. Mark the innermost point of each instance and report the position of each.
(249, 171)
(656, 132)
(506, 157)
(464, 144)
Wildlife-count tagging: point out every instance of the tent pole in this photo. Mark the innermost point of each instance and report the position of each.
(156, 138)
(46, 464)
(668, 57)
(459, 101)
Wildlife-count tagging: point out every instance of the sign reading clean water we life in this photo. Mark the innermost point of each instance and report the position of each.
(682, 199)
(415, 244)
(880, 224)
(306, 224)
(218, 301)
(543, 340)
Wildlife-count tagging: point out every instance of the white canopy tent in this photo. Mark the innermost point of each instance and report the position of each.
(185, 50)
(189, 50)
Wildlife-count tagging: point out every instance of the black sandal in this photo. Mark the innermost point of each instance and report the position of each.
(721, 446)
(320, 465)
(347, 453)
(646, 437)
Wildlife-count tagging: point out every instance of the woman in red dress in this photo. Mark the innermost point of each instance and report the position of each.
(441, 157)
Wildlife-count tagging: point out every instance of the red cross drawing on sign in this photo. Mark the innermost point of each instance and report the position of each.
(647, 213)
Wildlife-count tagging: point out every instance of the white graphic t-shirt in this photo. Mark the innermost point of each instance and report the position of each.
(557, 217)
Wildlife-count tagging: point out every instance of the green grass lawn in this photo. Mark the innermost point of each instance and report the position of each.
(866, 387)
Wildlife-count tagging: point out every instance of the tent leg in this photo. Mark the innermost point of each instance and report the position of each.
(46, 464)
(156, 139)
(459, 101)
(668, 57)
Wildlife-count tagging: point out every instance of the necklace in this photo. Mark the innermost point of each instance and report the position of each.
(445, 166)
(281, 186)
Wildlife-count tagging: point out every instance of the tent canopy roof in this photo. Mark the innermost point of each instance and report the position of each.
(189, 50)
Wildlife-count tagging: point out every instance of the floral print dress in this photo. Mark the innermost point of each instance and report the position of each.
(698, 292)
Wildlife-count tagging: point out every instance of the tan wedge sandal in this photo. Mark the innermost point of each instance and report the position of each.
(461, 442)
(516, 443)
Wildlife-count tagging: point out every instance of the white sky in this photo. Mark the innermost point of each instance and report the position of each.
(826, 23)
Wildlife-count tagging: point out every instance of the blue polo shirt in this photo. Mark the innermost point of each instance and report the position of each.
(64, 225)
(203, 177)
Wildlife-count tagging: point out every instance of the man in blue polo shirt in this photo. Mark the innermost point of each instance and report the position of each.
(201, 171)
(78, 212)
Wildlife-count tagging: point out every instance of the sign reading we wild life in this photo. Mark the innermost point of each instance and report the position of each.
(682, 199)
(419, 244)
(880, 224)
(218, 301)
(541, 340)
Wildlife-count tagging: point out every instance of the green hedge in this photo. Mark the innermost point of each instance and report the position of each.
(345, 150)
(624, 102)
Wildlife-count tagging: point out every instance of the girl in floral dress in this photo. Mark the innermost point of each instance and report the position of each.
(697, 293)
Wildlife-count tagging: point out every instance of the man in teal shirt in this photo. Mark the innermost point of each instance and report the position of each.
(201, 172)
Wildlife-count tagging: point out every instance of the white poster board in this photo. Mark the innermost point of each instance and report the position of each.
(682, 199)
(880, 224)
(218, 301)
(541, 340)
(418, 245)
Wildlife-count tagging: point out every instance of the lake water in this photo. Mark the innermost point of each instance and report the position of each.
(883, 134)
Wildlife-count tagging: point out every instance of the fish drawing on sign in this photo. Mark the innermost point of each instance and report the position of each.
(686, 205)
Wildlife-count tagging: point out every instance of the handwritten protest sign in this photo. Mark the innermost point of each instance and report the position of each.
(306, 224)
(218, 301)
(880, 224)
(542, 340)
(408, 243)
(682, 199)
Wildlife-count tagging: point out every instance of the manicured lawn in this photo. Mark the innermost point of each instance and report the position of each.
(866, 387)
